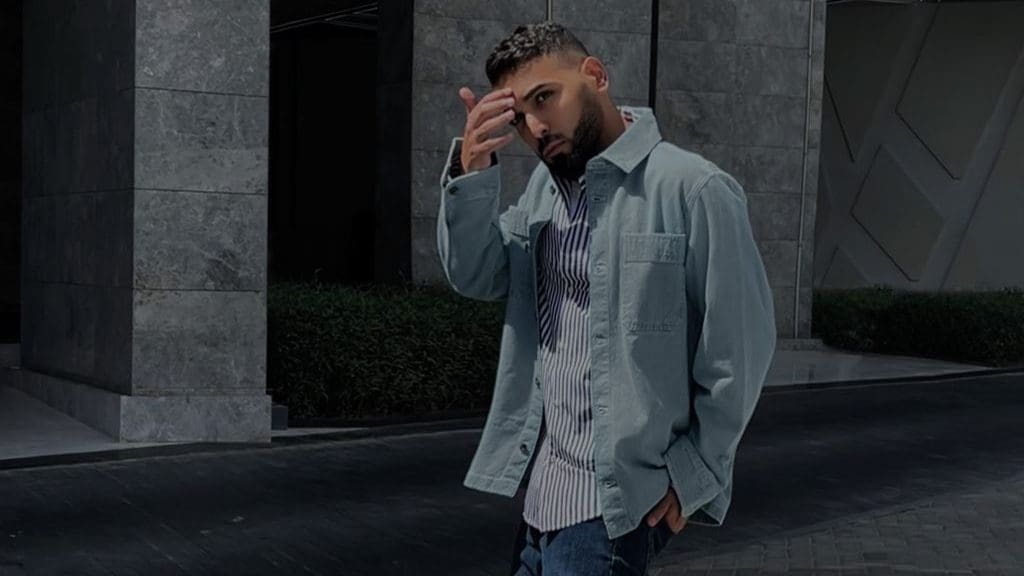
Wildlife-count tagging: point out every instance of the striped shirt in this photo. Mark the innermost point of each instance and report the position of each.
(562, 490)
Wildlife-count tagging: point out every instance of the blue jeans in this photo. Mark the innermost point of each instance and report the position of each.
(584, 549)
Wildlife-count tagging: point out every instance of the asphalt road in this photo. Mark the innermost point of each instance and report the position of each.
(812, 464)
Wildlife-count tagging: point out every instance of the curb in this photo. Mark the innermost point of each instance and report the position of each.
(814, 386)
(390, 427)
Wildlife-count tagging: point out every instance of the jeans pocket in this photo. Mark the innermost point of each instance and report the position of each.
(658, 538)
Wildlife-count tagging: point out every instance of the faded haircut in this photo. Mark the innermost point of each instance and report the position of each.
(528, 42)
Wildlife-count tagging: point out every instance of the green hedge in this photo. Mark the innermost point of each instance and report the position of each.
(379, 351)
(972, 327)
(375, 351)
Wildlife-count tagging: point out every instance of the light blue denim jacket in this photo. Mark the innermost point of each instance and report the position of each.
(682, 325)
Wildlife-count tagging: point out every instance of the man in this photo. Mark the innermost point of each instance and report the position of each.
(639, 322)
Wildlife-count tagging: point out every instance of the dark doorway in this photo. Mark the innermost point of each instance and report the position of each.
(323, 60)
(10, 172)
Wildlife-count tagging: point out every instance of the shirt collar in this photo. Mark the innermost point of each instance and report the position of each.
(633, 145)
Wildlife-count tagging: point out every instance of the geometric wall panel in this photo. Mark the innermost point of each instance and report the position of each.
(856, 71)
(960, 73)
(843, 273)
(991, 254)
(897, 215)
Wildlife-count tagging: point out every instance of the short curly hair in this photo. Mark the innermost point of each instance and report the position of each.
(528, 42)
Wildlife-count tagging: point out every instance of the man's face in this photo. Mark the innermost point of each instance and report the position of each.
(558, 114)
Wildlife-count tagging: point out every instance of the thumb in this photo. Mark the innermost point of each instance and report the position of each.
(468, 98)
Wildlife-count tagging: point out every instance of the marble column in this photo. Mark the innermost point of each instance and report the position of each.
(145, 215)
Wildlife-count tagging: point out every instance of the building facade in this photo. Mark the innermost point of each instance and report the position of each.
(162, 157)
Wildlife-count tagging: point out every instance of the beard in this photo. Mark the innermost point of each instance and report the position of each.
(585, 142)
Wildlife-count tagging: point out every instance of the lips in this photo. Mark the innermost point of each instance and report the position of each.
(552, 148)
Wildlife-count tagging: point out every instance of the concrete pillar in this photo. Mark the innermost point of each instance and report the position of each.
(145, 215)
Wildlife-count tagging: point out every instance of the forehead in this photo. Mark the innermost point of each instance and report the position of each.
(547, 68)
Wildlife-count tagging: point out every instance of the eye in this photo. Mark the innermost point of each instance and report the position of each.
(542, 96)
(516, 119)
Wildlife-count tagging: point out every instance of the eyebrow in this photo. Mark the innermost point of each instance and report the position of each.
(536, 89)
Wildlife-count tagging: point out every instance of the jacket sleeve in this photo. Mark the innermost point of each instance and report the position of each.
(469, 239)
(736, 335)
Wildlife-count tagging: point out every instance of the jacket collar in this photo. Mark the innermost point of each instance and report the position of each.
(633, 145)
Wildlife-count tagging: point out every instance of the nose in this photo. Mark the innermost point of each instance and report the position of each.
(537, 128)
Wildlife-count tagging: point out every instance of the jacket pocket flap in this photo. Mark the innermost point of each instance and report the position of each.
(660, 247)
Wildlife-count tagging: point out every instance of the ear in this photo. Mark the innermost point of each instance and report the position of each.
(595, 72)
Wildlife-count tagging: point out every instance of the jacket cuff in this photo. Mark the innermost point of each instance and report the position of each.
(453, 164)
(694, 483)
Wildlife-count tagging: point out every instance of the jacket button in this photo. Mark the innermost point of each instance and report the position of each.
(524, 449)
(602, 409)
(536, 382)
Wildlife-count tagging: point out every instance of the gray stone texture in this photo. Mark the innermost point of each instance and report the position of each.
(701, 20)
(691, 66)
(76, 50)
(627, 58)
(200, 141)
(137, 418)
(507, 13)
(203, 46)
(426, 266)
(199, 241)
(453, 50)
(226, 418)
(145, 210)
(79, 238)
(628, 16)
(79, 332)
(198, 342)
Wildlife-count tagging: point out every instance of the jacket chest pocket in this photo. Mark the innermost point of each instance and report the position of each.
(652, 282)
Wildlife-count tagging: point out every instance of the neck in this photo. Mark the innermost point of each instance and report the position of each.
(614, 125)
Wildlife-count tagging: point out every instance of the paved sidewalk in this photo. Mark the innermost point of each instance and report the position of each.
(977, 532)
(877, 479)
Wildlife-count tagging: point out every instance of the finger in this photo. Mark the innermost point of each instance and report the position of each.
(496, 122)
(678, 524)
(468, 98)
(659, 511)
(488, 146)
(485, 110)
(674, 517)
